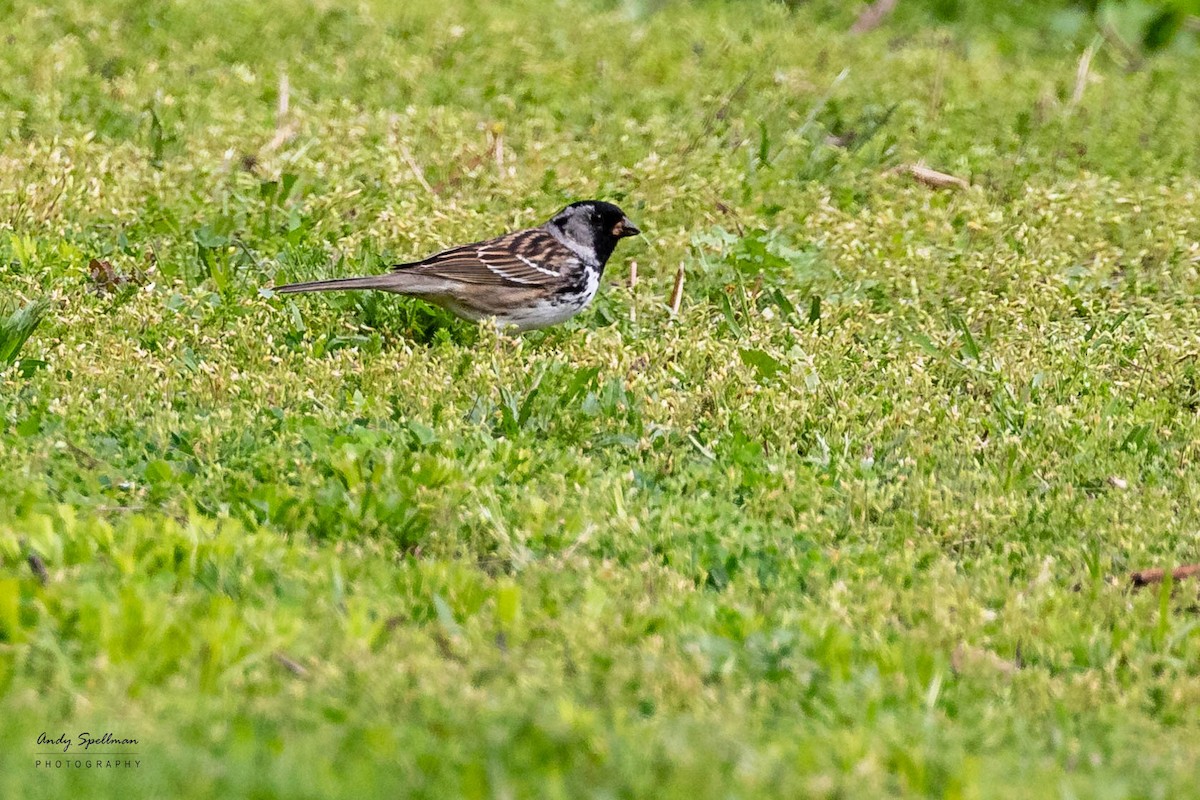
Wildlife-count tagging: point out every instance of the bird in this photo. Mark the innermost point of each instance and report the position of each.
(527, 279)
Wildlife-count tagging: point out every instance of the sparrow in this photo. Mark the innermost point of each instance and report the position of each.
(527, 279)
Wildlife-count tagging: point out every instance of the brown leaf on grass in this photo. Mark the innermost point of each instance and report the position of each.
(1146, 577)
(932, 178)
(873, 16)
(105, 277)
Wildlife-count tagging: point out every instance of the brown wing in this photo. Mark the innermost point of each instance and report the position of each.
(523, 258)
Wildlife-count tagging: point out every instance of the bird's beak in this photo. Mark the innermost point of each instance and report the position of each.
(625, 228)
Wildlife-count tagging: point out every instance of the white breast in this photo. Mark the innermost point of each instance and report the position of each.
(552, 312)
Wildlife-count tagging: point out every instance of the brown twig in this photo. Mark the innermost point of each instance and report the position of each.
(873, 16)
(811, 119)
(36, 565)
(728, 211)
(722, 110)
(417, 172)
(932, 178)
(939, 78)
(285, 126)
(285, 92)
(39, 568)
(291, 665)
(1083, 71)
(633, 279)
(1146, 577)
(283, 135)
(107, 509)
(446, 648)
(1133, 59)
(85, 459)
(495, 138)
(677, 291)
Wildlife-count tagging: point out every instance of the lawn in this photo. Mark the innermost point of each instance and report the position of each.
(857, 520)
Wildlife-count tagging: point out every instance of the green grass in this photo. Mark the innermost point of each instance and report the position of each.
(857, 522)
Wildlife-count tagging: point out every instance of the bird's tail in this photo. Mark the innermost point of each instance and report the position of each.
(337, 284)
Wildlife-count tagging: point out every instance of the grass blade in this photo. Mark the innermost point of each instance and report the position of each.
(17, 329)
